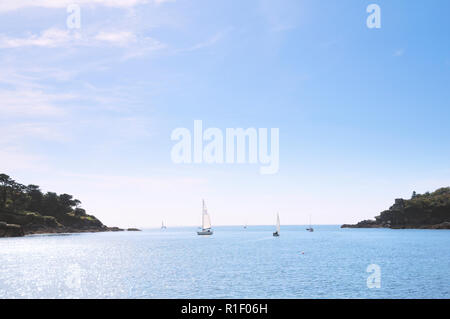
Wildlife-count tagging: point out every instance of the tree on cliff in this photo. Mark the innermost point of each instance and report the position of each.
(428, 210)
(5, 183)
(15, 197)
(29, 209)
(35, 198)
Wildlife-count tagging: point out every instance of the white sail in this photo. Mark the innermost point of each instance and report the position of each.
(278, 223)
(206, 221)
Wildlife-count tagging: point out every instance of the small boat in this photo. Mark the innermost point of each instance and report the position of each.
(163, 226)
(277, 231)
(206, 222)
(310, 229)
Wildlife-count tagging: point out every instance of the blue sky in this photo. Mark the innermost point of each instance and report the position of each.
(363, 113)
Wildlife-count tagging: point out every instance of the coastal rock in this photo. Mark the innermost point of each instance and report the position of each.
(427, 211)
(363, 224)
(445, 225)
(11, 230)
(133, 229)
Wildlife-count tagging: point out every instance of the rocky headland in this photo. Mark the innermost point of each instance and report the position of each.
(26, 210)
(422, 211)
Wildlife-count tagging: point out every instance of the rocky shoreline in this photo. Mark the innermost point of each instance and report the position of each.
(427, 211)
(13, 230)
(22, 224)
(370, 224)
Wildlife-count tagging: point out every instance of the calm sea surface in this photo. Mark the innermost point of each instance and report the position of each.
(233, 263)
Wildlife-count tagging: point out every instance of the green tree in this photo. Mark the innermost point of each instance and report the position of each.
(66, 202)
(5, 184)
(79, 212)
(18, 196)
(35, 198)
(50, 205)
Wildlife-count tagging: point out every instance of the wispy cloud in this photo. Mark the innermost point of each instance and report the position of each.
(27, 102)
(14, 158)
(54, 38)
(14, 78)
(209, 42)
(16, 132)
(143, 48)
(10, 5)
(49, 38)
(119, 38)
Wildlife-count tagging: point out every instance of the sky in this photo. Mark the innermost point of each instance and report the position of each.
(363, 113)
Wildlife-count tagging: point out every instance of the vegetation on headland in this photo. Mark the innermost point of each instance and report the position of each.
(27, 210)
(429, 210)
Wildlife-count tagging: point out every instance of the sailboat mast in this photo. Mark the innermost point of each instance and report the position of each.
(206, 221)
(278, 223)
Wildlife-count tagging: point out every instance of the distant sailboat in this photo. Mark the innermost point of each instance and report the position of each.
(163, 226)
(277, 232)
(206, 222)
(310, 229)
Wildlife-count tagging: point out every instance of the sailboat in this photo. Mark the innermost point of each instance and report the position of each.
(310, 229)
(206, 222)
(277, 232)
(163, 226)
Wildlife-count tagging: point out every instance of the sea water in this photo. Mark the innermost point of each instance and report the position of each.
(233, 263)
